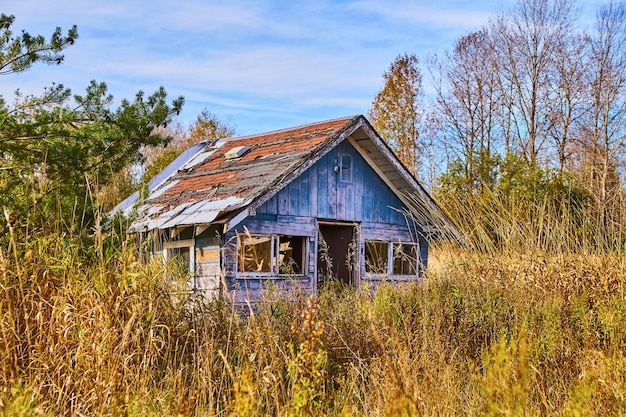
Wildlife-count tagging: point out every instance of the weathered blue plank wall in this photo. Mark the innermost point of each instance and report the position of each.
(319, 192)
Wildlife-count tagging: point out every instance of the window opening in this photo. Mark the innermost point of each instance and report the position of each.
(376, 257)
(405, 259)
(402, 259)
(182, 257)
(179, 255)
(278, 254)
(254, 253)
(291, 255)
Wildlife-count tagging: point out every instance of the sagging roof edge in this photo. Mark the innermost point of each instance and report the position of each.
(162, 176)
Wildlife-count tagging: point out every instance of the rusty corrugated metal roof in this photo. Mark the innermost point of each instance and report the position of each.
(206, 185)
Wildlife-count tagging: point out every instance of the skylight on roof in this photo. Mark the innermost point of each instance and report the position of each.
(237, 152)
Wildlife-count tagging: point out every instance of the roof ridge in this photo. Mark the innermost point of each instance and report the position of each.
(287, 129)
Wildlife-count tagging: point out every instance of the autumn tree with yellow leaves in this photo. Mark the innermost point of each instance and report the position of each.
(397, 111)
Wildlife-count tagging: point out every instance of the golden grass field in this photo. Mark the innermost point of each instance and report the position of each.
(533, 324)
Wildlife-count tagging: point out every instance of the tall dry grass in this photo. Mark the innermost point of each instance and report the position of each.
(558, 223)
(510, 327)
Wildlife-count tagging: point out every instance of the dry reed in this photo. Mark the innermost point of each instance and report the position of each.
(509, 326)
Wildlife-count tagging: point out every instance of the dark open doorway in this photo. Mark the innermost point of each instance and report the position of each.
(336, 254)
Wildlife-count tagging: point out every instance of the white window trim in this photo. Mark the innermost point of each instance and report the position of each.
(275, 253)
(175, 244)
(390, 274)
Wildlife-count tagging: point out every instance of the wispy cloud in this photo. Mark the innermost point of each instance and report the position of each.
(264, 64)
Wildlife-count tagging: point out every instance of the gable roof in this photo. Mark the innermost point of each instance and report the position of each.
(227, 180)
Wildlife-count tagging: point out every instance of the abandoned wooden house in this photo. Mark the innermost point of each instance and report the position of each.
(295, 207)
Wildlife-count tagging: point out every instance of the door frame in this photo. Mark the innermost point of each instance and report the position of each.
(356, 236)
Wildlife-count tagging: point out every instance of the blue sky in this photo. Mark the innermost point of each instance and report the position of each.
(262, 65)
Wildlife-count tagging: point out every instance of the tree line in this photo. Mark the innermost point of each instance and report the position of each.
(531, 96)
(534, 83)
(533, 103)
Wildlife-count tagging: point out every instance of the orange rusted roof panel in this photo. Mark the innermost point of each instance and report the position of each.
(208, 184)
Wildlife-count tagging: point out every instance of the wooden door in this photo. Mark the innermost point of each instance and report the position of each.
(336, 254)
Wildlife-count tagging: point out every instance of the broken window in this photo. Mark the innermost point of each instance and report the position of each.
(402, 260)
(405, 259)
(278, 254)
(291, 255)
(179, 255)
(376, 256)
(255, 253)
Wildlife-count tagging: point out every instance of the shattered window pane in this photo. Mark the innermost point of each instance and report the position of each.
(376, 257)
(254, 253)
(291, 255)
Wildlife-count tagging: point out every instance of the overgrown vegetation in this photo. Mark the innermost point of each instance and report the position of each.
(516, 326)
(58, 149)
(524, 318)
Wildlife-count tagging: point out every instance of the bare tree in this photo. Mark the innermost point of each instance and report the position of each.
(468, 101)
(530, 40)
(570, 101)
(604, 135)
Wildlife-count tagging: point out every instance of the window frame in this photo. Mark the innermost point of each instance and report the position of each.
(376, 242)
(275, 253)
(190, 244)
(240, 244)
(417, 258)
(303, 254)
(343, 169)
(391, 245)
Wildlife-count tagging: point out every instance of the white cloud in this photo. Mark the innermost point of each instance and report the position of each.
(260, 62)
(459, 16)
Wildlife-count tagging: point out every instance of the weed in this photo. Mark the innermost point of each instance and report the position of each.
(307, 365)
(519, 325)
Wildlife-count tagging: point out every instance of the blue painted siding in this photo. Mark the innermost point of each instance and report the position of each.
(320, 193)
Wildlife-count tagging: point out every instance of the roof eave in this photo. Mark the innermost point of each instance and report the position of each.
(414, 186)
(296, 170)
